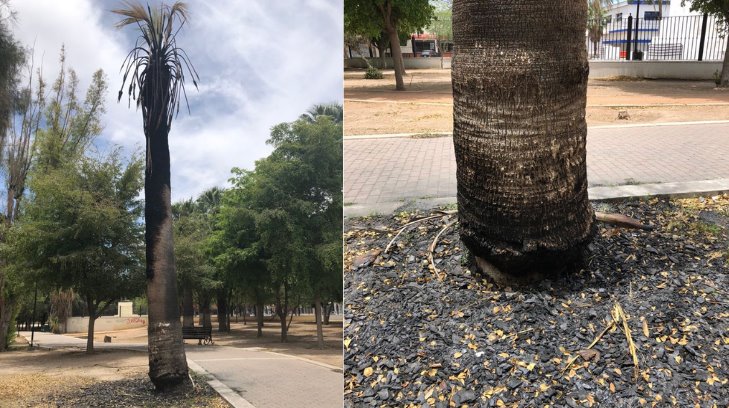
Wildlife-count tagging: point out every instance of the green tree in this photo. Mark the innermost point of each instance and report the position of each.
(333, 110)
(370, 18)
(12, 57)
(81, 232)
(155, 69)
(520, 135)
(719, 9)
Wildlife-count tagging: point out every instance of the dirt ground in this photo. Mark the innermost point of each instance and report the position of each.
(67, 378)
(65, 373)
(301, 338)
(374, 107)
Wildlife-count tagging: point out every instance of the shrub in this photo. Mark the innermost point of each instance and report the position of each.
(373, 73)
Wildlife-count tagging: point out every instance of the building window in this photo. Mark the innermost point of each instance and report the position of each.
(608, 19)
(650, 15)
(619, 18)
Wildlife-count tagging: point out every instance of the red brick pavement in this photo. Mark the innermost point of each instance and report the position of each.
(389, 170)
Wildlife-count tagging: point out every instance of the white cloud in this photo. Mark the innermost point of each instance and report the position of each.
(260, 63)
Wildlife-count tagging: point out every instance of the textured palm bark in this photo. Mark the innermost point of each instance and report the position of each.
(167, 362)
(519, 88)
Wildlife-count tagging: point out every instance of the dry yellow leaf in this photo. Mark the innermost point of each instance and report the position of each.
(375, 358)
(368, 371)
(645, 328)
(472, 346)
(347, 341)
(457, 354)
(612, 388)
(432, 372)
(543, 387)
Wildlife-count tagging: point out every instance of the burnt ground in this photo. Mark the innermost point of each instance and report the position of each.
(452, 338)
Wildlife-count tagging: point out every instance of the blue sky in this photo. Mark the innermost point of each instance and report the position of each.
(260, 63)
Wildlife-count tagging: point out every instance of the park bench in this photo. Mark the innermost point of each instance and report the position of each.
(202, 334)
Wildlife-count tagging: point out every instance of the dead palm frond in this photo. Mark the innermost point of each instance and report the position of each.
(155, 67)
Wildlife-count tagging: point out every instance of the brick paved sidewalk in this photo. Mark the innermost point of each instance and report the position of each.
(389, 170)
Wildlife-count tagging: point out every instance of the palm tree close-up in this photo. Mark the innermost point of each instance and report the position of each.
(520, 133)
(154, 70)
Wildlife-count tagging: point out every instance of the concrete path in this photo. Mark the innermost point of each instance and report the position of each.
(245, 377)
(382, 173)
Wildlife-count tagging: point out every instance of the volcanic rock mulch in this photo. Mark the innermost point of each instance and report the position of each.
(418, 337)
(134, 392)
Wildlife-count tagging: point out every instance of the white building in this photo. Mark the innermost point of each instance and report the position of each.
(674, 36)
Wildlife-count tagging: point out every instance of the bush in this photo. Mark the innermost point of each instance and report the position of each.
(717, 78)
(373, 73)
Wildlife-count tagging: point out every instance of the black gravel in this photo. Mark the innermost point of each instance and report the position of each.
(416, 338)
(134, 392)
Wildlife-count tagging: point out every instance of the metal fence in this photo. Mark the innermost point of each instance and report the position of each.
(680, 38)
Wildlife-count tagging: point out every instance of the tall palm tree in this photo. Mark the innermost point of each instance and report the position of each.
(519, 133)
(333, 110)
(154, 69)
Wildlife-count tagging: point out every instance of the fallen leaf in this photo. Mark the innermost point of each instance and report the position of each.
(368, 371)
(589, 354)
(347, 341)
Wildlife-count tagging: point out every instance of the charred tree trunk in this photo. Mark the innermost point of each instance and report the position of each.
(188, 310)
(519, 132)
(167, 362)
(319, 328)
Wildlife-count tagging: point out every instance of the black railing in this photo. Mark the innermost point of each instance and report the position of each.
(686, 38)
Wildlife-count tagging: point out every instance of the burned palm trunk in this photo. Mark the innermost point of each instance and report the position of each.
(167, 362)
(519, 132)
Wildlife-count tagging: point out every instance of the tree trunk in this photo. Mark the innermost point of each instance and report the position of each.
(724, 78)
(282, 312)
(7, 305)
(381, 49)
(259, 319)
(92, 321)
(396, 57)
(519, 133)
(205, 320)
(223, 322)
(319, 328)
(167, 362)
(188, 310)
(327, 312)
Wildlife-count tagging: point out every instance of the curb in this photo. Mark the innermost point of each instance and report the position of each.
(232, 397)
(450, 133)
(599, 193)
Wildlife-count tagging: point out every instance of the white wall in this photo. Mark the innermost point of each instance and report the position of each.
(697, 70)
(105, 323)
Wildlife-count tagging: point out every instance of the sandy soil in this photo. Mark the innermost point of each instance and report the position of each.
(301, 341)
(26, 376)
(374, 107)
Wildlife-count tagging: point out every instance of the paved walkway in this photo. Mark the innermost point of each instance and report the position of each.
(381, 173)
(246, 377)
